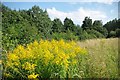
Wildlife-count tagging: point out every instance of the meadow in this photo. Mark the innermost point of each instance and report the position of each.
(34, 46)
(95, 58)
(102, 60)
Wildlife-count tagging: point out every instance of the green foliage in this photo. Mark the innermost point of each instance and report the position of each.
(44, 59)
(25, 26)
(97, 25)
(95, 33)
(112, 34)
(66, 36)
(117, 32)
(95, 30)
(87, 23)
(68, 25)
(78, 30)
(112, 26)
(57, 26)
(41, 20)
(90, 34)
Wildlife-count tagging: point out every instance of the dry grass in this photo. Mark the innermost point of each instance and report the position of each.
(102, 60)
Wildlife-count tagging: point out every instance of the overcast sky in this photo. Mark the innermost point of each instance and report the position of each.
(77, 11)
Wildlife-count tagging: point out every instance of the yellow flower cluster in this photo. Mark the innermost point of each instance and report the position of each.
(0, 62)
(32, 76)
(43, 54)
(28, 66)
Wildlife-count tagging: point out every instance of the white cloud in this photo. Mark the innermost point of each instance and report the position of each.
(77, 16)
(59, 0)
(101, 1)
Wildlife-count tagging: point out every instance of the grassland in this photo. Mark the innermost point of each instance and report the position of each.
(102, 60)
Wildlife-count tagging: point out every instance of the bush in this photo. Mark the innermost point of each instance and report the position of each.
(83, 36)
(19, 34)
(112, 34)
(66, 36)
(117, 32)
(95, 34)
(44, 59)
(87, 35)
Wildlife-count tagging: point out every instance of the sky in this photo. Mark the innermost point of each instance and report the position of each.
(76, 11)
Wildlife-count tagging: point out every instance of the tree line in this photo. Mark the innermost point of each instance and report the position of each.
(25, 26)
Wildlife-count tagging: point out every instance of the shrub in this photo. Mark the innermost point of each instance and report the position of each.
(117, 32)
(44, 59)
(95, 33)
(66, 36)
(87, 35)
(112, 34)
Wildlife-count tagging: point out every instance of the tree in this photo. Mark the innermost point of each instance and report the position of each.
(97, 23)
(112, 34)
(24, 26)
(78, 30)
(94, 34)
(117, 32)
(98, 26)
(41, 20)
(112, 26)
(57, 26)
(87, 23)
(68, 25)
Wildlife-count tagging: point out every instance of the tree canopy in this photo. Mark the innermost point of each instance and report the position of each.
(25, 26)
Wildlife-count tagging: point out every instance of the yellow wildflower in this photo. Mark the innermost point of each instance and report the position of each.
(12, 57)
(16, 63)
(44, 53)
(0, 61)
(74, 61)
(33, 76)
(35, 44)
(47, 56)
(29, 66)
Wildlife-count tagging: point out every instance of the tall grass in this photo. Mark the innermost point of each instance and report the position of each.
(102, 60)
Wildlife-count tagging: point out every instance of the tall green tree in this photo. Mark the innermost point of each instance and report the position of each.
(69, 25)
(98, 26)
(87, 23)
(117, 33)
(41, 20)
(57, 26)
(111, 26)
(24, 26)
